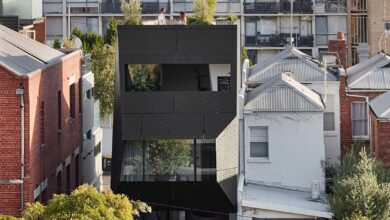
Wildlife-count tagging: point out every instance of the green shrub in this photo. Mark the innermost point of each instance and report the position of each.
(57, 43)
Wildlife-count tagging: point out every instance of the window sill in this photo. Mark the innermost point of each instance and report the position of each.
(330, 133)
(360, 137)
(258, 160)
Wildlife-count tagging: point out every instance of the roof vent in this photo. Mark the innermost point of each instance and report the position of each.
(315, 190)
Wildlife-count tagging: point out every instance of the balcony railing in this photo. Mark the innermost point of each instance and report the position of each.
(278, 40)
(147, 7)
(331, 6)
(223, 6)
(284, 6)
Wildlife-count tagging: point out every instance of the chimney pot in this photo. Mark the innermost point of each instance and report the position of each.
(340, 35)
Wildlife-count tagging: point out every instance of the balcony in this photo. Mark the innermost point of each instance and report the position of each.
(278, 40)
(147, 7)
(223, 6)
(284, 7)
(331, 6)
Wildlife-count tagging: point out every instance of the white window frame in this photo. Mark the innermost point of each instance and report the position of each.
(365, 137)
(259, 140)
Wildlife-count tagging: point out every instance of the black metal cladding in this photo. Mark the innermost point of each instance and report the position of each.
(173, 114)
(184, 114)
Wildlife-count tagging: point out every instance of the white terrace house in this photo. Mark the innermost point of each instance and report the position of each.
(312, 74)
(283, 146)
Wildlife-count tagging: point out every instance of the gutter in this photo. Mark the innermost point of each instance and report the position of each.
(368, 113)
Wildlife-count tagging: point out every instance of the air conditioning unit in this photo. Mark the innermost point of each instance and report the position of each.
(315, 190)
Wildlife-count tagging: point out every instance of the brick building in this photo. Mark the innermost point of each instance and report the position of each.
(44, 83)
(360, 84)
(380, 127)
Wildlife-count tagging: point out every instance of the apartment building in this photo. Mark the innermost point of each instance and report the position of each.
(40, 122)
(91, 155)
(175, 143)
(265, 24)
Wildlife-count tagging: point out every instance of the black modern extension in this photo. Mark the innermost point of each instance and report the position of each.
(175, 143)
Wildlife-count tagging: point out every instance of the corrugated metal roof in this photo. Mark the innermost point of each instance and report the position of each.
(302, 67)
(370, 74)
(381, 105)
(282, 93)
(24, 55)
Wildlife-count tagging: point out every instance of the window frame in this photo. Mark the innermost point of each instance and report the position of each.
(365, 137)
(259, 159)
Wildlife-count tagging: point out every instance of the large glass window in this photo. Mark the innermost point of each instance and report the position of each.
(175, 77)
(169, 160)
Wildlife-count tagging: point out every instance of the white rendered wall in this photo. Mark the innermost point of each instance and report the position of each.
(332, 138)
(218, 70)
(91, 164)
(296, 149)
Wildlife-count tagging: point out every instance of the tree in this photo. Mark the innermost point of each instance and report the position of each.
(103, 66)
(361, 188)
(87, 203)
(132, 11)
(90, 40)
(112, 31)
(204, 11)
(166, 156)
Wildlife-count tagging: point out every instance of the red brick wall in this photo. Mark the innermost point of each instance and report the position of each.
(346, 116)
(41, 161)
(10, 150)
(381, 139)
(40, 30)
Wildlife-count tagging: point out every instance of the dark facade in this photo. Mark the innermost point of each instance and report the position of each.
(170, 107)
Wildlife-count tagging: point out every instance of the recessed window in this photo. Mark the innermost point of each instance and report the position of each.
(359, 119)
(223, 83)
(169, 160)
(89, 135)
(329, 124)
(42, 122)
(259, 142)
(72, 104)
(176, 77)
(97, 149)
(59, 104)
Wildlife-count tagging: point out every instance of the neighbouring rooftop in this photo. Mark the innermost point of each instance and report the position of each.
(283, 93)
(381, 106)
(283, 200)
(302, 66)
(373, 73)
(22, 55)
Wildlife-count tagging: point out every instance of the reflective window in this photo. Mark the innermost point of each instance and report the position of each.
(169, 160)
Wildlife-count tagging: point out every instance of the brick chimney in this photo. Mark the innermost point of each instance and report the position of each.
(340, 47)
(40, 30)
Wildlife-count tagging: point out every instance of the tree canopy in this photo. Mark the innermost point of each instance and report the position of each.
(87, 203)
(361, 187)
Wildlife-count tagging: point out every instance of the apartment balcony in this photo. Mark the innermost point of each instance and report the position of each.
(331, 6)
(278, 40)
(223, 6)
(147, 7)
(284, 7)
